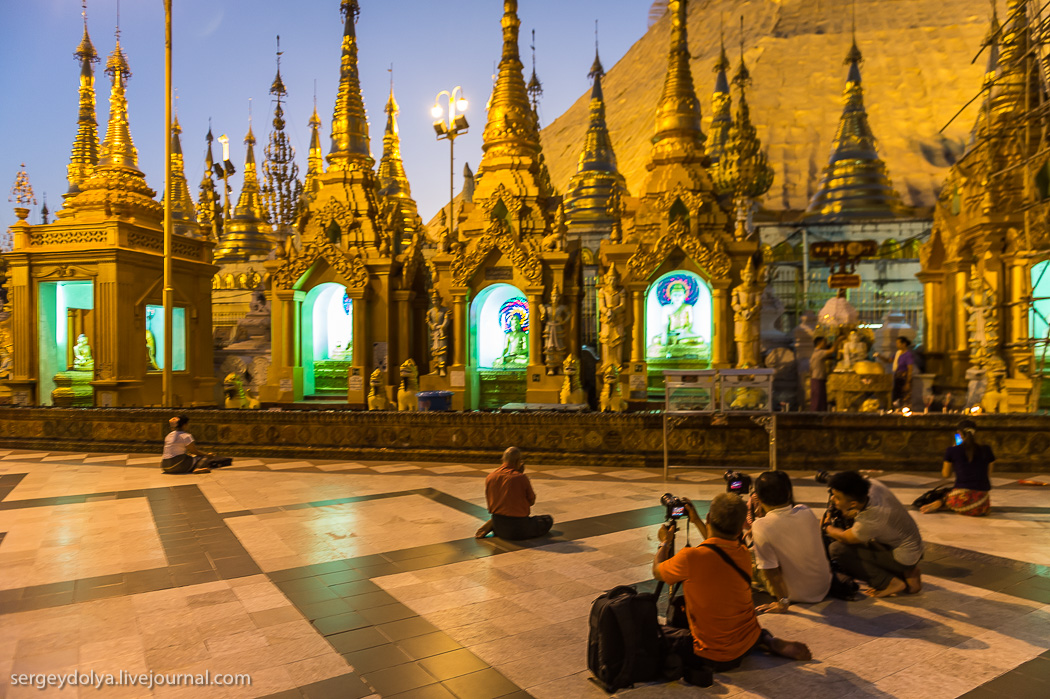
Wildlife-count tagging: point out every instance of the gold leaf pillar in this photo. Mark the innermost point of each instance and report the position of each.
(723, 328)
(357, 383)
(535, 296)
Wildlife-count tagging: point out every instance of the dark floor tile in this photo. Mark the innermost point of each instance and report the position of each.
(301, 584)
(430, 691)
(280, 576)
(1027, 591)
(359, 639)
(329, 567)
(57, 600)
(185, 579)
(1015, 684)
(364, 561)
(102, 592)
(339, 623)
(399, 678)
(348, 686)
(355, 588)
(311, 595)
(369, 660)
(440, 559)
(407, 628)
(427, 645)
(236, 568)
(453, 664)
(484, 684)
(379, 570)
(49, 589)
(388, 613)
(418, 552)
(520, 694)
(340, 577)
(1038, 667)
(378, 598)
(319, 610)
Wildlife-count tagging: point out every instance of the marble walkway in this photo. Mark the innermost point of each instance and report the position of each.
(354, 579)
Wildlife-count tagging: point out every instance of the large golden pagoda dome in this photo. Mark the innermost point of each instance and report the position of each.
(917, 74)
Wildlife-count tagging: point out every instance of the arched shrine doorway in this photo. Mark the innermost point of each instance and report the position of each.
(328, 340)
(678, 322)
(499, 347)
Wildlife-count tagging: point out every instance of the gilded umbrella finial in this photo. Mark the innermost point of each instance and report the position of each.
(283, 188)
(22, 194)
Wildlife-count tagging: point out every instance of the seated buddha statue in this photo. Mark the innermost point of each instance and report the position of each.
(516, 350)
(678, 338)
(82, 359)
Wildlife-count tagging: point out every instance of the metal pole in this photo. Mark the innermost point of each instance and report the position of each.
(169, 291)
(805, 270)
(451, 180)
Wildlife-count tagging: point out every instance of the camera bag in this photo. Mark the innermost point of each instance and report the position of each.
(625, 644)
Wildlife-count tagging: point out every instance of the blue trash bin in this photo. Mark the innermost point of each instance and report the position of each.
(434, 401)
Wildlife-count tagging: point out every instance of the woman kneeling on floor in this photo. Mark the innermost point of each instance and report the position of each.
(972, 463)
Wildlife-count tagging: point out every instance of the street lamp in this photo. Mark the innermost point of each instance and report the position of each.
(454, 126)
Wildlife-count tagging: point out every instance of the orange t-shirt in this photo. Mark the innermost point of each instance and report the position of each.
(509, 493)
(717, 600)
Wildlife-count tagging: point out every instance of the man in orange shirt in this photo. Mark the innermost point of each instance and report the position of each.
(716, 579)
(510, 498)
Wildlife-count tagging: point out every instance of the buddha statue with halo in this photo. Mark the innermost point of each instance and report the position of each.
(516, 350)
(678, 339)
(82, 358)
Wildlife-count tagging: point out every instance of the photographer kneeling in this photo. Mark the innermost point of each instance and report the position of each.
(883, 546)
(717, 587)
(181, 454)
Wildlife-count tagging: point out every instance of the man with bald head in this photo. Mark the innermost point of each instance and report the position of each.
(510, 498)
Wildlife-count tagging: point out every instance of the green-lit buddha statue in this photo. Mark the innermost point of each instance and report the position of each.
(679, 339)
(82, 359)
(516, 350)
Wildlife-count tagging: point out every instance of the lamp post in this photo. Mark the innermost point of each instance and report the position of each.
(455, 125)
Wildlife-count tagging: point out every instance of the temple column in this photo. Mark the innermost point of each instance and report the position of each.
(1018, 281)
(638, 325)
(535, 329)
(403, 298)
(721, 330)
(460, 330)
(960, 280)
(574, 321)
(357, 376)
(934, 325)
(291, 303)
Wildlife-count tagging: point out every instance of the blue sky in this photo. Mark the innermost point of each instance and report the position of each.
(224, 54)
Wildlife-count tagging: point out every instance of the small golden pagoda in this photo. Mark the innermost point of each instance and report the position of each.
(343, 301)
(721, 108)
(987, 236)
(664, 302)
(84, 158)
(87, 321)
(282, 188)
(209, 203)
(394, 189)
(855, 184)
(247, 234)
(511, 277)
(183, 211)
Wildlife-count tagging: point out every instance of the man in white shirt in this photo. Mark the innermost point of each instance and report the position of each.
(180, 451)
(789, 550)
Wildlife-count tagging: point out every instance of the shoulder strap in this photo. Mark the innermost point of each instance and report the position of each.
(725, 557)
(629, 636)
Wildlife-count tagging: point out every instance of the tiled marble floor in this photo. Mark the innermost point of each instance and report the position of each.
(350, 579)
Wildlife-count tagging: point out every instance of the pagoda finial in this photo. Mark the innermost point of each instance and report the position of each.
(118, 150)
(393, 182)
(855, 183)
(182, 208)
(282, 189)
(315, 158)
(22, 191)
(84, 155)
(511, 129)
(596, 68)
(597, 175)
(743, 171)
(679, 137)
(209, 208)
(721, 104)
(350, 146)
(247, 232)
(535, 87)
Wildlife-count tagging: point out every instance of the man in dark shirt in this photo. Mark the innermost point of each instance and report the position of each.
(510, 498)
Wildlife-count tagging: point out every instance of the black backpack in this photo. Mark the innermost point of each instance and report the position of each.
(625, 644)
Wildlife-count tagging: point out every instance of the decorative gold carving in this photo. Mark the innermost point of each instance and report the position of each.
(350, 265)
(350, 145)
(45, 237)
(713, 259)
(498, 235)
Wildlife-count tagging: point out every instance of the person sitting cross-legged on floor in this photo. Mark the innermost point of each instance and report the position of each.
(716, 581)
(972, 463)
(510, 499)
(883, 547)
(789, 551)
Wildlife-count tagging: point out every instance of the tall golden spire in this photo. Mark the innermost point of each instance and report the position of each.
(248, 232)
(511, 129)
(678, 135)
(988, 84)
(116, 187)
(209, 208)
(587, 197)
(283, 188)
(1016, 88)
(855, 183)
(84, 156)
(742, 170)
(393, 182)
(350, 147)
(721, 108)
(182, 209)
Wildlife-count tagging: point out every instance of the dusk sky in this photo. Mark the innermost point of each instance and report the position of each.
(224, 54)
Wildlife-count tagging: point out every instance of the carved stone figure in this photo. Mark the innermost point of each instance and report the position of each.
(611, 400)
(612, 314)
(615, 209)
(556, 317)
(377, 399)
(406, 393)
(747, 308)
(555, 240)
(151, 351)
(439, 319)
(445, 236)
(82, 358)
(516, 349)
(571, 391)
(982, 323)
(236, 397)
(852, 353)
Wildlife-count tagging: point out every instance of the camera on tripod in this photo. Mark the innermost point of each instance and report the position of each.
(737, 482)
(676, 507)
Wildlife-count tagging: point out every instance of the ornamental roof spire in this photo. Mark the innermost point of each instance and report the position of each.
(247, 233)
(679, 137)
(587, 196)
(315, 159)
(511, 129)
(392, 179)
(209, 207)
(182, 209)
(118, 150)
(855, 183)
(350, 149)
(283, 188)
(721, 106)
(84, 156)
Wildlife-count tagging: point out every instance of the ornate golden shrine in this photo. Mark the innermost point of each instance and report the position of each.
(512, 240)
(987, 235)
(676, 223)
(358, 247)
(97, 272)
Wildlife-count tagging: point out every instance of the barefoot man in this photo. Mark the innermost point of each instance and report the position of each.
(510, 499)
